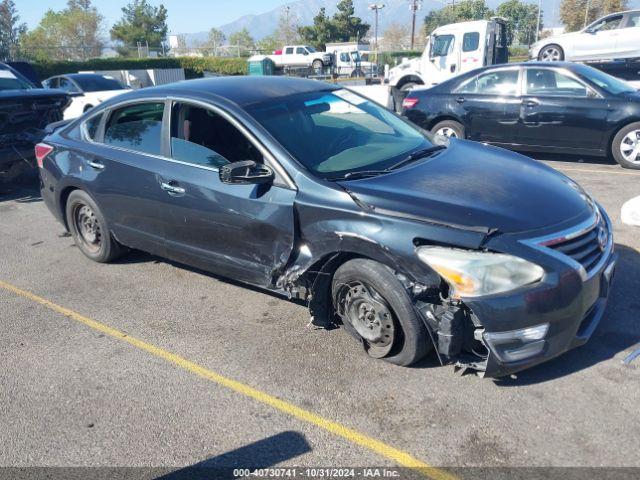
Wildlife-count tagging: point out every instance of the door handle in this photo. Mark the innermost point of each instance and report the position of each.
(530, 103)
(172, 189)
(453, 68)
(460, 99)
(96, 165)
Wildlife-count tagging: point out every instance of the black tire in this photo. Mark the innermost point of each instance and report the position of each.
(408, 86)
(456, 128)
(410, 340)
(551, 53)
(317, 65)
(632, 130)
(105, 248)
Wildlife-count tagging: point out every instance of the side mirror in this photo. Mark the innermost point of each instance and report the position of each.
(246, 172)
(431, 39)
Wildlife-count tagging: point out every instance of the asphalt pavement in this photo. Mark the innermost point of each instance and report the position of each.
(145, 363)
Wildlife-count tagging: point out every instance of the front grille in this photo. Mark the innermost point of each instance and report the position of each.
(586, 247)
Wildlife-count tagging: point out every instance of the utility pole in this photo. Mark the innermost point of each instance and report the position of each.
(586, 12)
(287, 8)
(538, 23)
(414, 7)
(376, 7)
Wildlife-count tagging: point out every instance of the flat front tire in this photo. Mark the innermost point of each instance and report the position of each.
(89, 228)
(372, 301)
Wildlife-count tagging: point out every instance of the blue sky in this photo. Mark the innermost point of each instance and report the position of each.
(184, 15)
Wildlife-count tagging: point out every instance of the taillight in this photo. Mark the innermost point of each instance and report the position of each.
(409, 102)
(42, 150)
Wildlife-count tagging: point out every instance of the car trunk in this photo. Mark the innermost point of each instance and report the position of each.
(25, 113)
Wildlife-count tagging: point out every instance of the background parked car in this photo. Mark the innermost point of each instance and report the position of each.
(536, 106)
(614, 36)
(86, 89)
(25, 110)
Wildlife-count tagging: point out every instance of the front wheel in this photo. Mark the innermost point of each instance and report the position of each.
(449, 128)
(625, 147)
(551, 53)
(89, 228)
(373, 303)
(317, 65)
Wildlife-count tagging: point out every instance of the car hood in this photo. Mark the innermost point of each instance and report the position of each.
(563, 37)
(475, 186)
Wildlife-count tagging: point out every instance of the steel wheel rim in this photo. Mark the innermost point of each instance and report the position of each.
(88, 227)
(368, 313)
(550, 54)
(630, 147)
(447, 132)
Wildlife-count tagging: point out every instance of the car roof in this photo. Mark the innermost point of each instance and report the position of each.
(243, 90)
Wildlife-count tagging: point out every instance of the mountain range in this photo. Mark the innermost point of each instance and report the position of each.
(263, 24)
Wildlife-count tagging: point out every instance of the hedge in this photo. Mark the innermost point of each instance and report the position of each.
(193, 66)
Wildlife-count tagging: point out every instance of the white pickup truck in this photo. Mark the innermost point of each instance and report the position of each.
(301, 56)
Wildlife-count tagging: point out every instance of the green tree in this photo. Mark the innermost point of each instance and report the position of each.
(576, 14)
(395, 37)
(141, 22)
(521, 20)
(320, 33)
(346, 26)
(74, 33)
(10, 30)
(459, 12)
(215, 39)
(243, 40)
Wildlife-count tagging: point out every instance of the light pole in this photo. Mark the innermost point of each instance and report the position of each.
(414, 7)
(376, 7)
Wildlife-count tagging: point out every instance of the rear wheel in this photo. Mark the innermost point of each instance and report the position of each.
(551, 53)
(89, 228)
(625, 147)
(449, 128)
(375, 305)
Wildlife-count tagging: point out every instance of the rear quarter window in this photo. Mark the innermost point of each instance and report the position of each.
(90, 127)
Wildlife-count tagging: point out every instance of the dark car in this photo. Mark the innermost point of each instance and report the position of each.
(25, 111)
(313, 192)
(536, 106)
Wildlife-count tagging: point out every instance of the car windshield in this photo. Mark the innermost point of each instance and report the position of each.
(310, 49)
(335, 133)
(97, 83)
(11, 80)
(605, 81)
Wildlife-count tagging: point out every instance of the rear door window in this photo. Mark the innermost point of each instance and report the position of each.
(470, 41)
(136, 127)
(501, 82)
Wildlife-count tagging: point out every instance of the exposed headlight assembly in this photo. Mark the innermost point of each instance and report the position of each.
(473, 273)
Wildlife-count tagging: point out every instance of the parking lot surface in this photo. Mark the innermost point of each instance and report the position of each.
(76, 393)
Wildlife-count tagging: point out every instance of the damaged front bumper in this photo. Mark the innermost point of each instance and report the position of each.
(548, 333)
(501, 334)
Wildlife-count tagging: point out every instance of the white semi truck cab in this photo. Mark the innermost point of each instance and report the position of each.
(451, 50)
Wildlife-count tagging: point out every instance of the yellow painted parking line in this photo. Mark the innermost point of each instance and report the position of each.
(400, 457)
(586, 170)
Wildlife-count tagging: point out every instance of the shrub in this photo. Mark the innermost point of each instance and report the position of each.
(193, 66)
